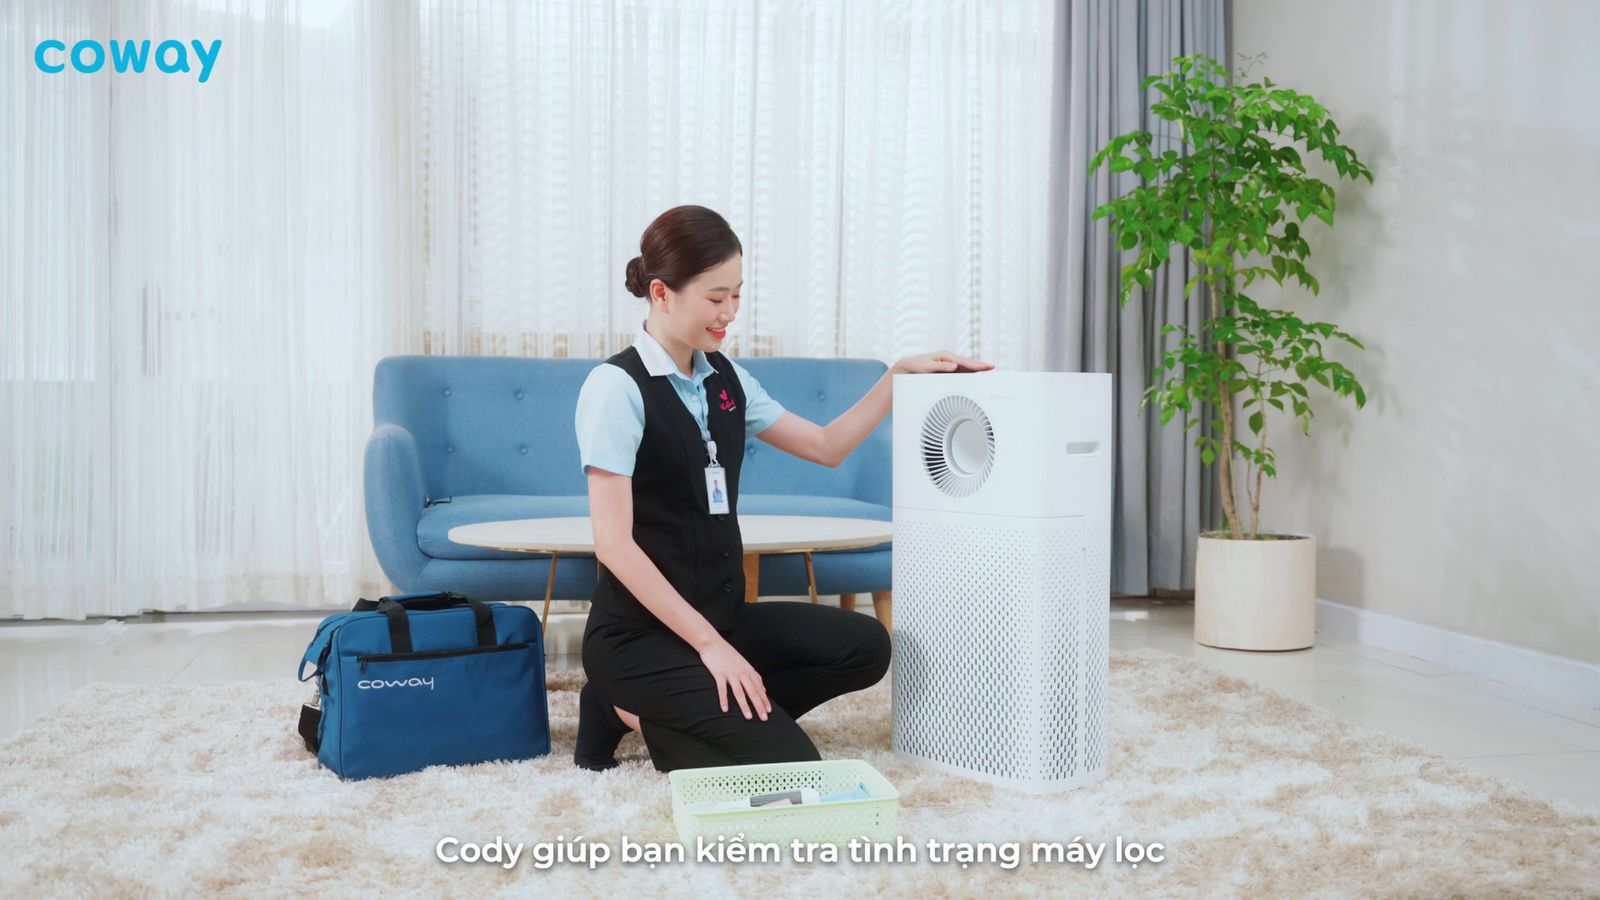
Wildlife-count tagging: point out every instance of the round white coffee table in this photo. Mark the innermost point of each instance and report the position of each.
(574, 536)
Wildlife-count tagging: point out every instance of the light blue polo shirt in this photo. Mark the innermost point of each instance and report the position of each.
(610, 417)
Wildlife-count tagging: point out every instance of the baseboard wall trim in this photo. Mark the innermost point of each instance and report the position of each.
(1572, 680)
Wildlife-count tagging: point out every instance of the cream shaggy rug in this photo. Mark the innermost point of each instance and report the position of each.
(134, 790)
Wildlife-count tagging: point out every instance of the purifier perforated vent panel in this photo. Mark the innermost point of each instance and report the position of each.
(1001, 647)
(1097, 641)
(957, 445)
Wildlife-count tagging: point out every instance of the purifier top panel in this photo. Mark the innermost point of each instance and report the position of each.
(1031, 444)
(1002, 379)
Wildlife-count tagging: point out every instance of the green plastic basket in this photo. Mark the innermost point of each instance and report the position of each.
(835, 823)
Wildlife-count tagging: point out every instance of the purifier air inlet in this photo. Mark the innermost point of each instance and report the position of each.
(957, 445)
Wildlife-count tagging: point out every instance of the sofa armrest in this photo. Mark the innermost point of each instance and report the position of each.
(395, 494)
(874, 482)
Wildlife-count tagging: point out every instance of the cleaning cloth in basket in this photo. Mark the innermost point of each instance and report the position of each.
(796, 797)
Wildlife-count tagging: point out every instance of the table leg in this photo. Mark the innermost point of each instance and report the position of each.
(883, 606)
(847, 602)
(549, 589)
(752, 577)
(811, 577)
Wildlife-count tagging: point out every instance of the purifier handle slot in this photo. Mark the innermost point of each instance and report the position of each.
(1083, 447)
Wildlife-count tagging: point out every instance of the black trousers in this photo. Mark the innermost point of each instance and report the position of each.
(806, 655)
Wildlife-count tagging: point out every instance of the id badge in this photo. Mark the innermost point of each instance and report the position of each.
(716, 489)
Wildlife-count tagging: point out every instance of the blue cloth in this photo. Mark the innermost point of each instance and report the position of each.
(859, 792)
(610, 416)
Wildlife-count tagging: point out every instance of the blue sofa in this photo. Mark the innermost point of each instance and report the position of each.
(494, 437)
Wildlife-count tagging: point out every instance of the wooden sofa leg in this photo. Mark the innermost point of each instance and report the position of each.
(847, 602)
(883, 606)
(752, 577)
(549, 591)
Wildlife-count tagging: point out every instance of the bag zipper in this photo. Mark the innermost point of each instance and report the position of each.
(437, 654)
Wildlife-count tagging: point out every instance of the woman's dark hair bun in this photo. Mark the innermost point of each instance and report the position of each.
(636, 282)
(680, 244)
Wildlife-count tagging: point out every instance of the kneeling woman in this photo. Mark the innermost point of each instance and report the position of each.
(661, 431)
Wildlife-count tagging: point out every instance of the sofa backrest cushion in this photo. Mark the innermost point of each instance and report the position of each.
(819, 390)
(504, 425)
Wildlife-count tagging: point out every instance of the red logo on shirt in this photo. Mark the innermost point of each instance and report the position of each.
(726, 403)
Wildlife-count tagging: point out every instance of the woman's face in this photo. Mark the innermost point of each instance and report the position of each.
(699, 314)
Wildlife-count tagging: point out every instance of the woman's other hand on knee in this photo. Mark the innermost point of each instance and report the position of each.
(734, 675)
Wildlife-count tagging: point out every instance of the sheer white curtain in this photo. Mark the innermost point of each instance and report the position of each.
(884, 163)
(198, 279)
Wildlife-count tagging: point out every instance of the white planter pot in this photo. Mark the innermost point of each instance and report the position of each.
(1256, 595)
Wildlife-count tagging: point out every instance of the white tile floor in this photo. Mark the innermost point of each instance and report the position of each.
(1551, 747)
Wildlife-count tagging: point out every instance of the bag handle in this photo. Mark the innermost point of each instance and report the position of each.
(400, 625)
(418, 600)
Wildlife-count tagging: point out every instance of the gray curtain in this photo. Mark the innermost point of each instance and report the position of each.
(1162, 495)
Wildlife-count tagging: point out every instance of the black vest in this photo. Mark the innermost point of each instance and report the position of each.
(701, 554)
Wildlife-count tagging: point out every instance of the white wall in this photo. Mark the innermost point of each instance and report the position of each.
(1466, 495)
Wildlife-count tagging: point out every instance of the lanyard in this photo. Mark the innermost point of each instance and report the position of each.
(716, 492)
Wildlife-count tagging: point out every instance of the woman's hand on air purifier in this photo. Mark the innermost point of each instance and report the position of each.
(735, 675)
(942, 361)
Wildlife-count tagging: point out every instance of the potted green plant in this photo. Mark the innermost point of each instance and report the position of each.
(1235, 192)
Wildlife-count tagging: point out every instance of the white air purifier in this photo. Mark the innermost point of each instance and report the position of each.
(1002, 509)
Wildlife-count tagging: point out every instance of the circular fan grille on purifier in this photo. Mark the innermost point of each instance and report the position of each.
(957, 445)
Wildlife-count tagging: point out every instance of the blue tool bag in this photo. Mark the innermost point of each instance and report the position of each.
(423, 680)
